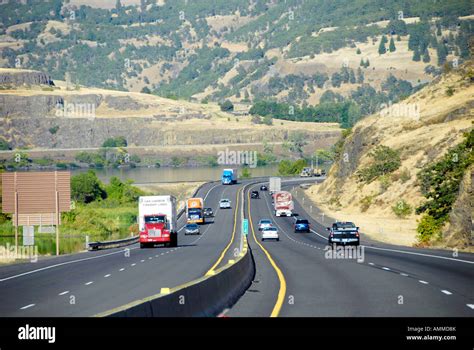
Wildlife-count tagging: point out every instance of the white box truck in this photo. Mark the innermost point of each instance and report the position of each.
(157, 221)
(275, 184)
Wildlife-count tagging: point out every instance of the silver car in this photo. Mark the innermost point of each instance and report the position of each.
(224, 204)
(192, 229)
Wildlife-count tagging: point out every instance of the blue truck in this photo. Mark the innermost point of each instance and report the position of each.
(229, 176)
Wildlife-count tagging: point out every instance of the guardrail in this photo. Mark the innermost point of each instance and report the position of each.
(112, 244)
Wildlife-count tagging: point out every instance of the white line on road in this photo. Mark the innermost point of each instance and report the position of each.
(424, 282)
(371, 264)
(470, 306)
(107, 275)
(133, 264)
(385, 268)
(122, 269)
(404, 274)
(63, 293)
(88, 283)
(62, 264)
(447, 292)
(27, 307)
(142, 260)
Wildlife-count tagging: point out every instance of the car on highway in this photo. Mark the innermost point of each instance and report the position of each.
(343, 233)
(208, 213)
(263, 188)
(192, 229)
(270, 233)
(302, 225)
(254, 194)
(264, 223)
(224, 203)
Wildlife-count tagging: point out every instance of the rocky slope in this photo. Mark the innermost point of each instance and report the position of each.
(422, 128)
(55, 117)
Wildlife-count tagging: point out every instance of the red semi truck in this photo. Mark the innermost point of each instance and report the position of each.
(157, 221)
(283, 203)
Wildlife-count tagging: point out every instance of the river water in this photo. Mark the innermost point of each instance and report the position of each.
(142, 175)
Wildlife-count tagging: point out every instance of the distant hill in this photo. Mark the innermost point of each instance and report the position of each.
(242, 50)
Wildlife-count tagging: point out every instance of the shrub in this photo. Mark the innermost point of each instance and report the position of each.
(4, 146)
(226, 106)
(428, 227)
(450, 91)
(402, 209)
(365, 203)
(53, 130)
(246, 173)
(385, 182)
(287, 167)
(385, 161)
(118, 141)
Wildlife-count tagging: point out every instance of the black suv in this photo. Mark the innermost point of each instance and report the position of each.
(263, 188)
(254, 194)
(208, 212)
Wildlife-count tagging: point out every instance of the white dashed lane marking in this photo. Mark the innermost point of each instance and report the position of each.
(447, 292)
(64, 293)
(107, 275)
(88, 283)
(27, 307)
(424, 282)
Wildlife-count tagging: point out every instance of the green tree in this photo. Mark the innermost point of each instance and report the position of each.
(391, 46)
(86, 187)
(384, 161)
(382, 48)
(226, 106)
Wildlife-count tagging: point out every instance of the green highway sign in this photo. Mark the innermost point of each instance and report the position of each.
(245, 227)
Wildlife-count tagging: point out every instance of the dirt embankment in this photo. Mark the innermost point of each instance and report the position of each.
(422, 129)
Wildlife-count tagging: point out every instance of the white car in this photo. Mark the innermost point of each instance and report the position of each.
(270, 233)
(224, 204)
(264, 223)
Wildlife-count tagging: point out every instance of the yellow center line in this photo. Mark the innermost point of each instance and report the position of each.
(281, 278)
(221, 257)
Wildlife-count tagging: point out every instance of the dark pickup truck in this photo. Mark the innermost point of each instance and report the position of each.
(343, 233)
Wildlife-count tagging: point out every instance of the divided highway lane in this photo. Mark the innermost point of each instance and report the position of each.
(385, 283)
(89, 283)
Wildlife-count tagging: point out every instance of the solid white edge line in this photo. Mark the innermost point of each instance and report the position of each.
(61, 264)
(405, 252)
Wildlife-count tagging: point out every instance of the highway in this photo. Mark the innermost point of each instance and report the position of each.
(295, 278)
(89, 283)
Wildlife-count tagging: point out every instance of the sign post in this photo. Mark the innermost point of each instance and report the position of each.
(36, 198)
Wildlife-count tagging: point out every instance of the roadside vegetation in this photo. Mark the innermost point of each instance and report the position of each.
(439, 183)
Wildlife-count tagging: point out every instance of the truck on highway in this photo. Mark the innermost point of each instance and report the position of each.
(275, 184)
(229, 176)
(307, 172)
(283, 203)
(195, 211)
(157, 216)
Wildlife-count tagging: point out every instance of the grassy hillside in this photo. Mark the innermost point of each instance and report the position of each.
(390, 161)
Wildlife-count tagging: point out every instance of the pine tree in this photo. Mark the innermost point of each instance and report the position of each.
(360, 76)
(416, 55)
(399, 38)
(426, 56)
(392, 47)
(358, 51)
(442, 53)
(382, 48)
